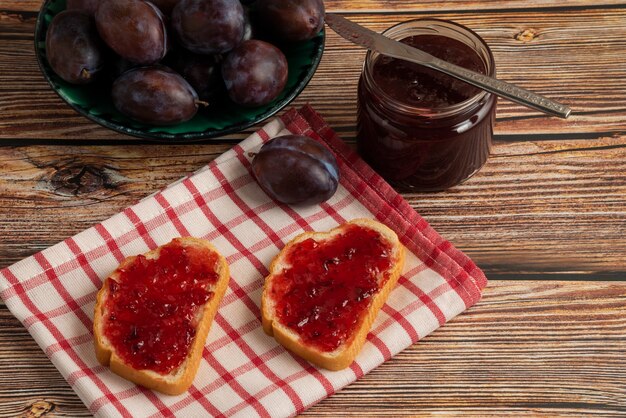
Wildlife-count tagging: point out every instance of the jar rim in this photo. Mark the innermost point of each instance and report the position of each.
(431, 25)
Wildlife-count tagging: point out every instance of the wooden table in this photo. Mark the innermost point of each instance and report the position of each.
(545, 218)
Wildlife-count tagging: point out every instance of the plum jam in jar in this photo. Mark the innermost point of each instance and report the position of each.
(420, 129)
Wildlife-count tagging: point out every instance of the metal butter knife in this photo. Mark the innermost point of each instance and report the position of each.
(372, 40)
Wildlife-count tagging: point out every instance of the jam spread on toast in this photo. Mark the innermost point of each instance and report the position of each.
(327, 290)
(151, 307)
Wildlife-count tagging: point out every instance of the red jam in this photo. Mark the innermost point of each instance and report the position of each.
(151, 308)
(420, 129)
(327, 289)
(419, 86)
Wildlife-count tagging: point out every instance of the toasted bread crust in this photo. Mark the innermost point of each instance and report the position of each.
(168, 384)
(344, 355)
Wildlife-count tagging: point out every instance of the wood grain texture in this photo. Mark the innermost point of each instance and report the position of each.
(528, 348)
(532, 210)
(569, 55)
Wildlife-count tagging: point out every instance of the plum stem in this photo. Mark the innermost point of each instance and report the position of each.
(84, 73)
(201, 103)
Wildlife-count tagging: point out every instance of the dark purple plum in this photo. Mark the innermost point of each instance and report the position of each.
(203, 72)
(248, 29)
(134, 29)
(296, 170)
(291, 20)
(73, 48)
(155, 95)
(209, 26)
(87, 6)
(255, 73)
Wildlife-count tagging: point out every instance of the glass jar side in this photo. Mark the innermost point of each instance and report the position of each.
(422, 149)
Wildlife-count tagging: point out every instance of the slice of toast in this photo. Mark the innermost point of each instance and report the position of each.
(324, 291)
(213, 274)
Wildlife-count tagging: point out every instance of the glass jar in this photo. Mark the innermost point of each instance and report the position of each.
(423, 140)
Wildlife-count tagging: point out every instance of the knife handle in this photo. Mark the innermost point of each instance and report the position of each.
(500, 88)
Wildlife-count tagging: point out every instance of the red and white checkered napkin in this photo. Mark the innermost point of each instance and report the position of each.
(243, 371)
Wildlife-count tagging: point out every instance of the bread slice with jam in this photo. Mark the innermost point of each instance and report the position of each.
(325, 289)
(153, 313)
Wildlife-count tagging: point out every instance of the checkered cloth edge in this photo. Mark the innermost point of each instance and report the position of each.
(243, 372)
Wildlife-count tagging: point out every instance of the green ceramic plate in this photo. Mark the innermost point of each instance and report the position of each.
(94, 101)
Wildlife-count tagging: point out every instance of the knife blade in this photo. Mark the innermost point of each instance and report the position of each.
(374, 41)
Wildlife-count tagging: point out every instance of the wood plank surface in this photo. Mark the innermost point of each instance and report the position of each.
(532, 210)
(528, 348)
(570, 55)
(545, 218)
